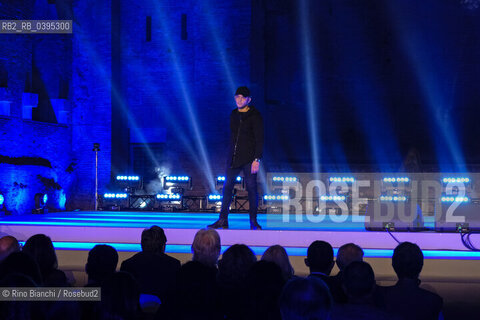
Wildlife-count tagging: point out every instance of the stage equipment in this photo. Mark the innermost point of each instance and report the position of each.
(221, 180)
(457, 212)
(114, 201)
(40, 203)
(214, 201)
(96, 148)
(342, 179)
(170, 201)
(393, 213)
(141, 201)
(274, 202)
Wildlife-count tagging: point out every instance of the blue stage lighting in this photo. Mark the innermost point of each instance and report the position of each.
(272, 197)
(177, 179)
(221, 179)
(455, 199)
(456, 180)
(128, 178)
(214, 197)
(396, 179)
(342, 179)
(2, 199)
(332, 198)
(169, 197)
(115, 195)
(285, 179)
(393, 198)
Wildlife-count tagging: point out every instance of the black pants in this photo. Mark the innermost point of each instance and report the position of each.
(251, 185)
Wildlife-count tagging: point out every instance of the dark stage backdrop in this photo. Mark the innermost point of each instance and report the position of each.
(369, 82)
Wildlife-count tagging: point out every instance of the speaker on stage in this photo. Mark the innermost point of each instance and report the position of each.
(457, 216)
(393, 214)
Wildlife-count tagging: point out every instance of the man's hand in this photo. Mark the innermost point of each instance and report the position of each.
(255, 166)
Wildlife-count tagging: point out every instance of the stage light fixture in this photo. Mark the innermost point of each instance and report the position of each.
(169, 197)
(41, 200)
(342, 179)
(332, 198)
(396, 179)
(214, 197)
(456, 180)
(115, 195)
(393, 198)
(221, 179)
(273, 197)
(454, 199)
(2, 199)
(128, 178)
(280, 180)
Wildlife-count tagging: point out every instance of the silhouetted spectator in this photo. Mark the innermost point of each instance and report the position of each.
(155, 271)
(40, 248)
(406, 298)
(320, 262)
(196, 294)
(359, 285)
(305, 299)
(120, 296)
(232, 271)
(264, 286)
(206, 247)
(22, 263)
(8, 244)
(346, 254)
(101, 263)
(279, 255)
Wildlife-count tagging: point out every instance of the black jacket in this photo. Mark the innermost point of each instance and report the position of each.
(246, 137)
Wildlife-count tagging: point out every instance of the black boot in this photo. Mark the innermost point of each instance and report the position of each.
(221, 223)
(254, 225)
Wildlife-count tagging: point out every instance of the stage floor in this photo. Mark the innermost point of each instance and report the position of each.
(81, 230)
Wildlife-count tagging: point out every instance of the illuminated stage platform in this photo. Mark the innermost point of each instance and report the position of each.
(81, 230)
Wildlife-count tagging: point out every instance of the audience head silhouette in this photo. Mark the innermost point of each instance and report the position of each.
(407, 260)
(153, 240)
(358, 280)
(40, 248)
(22, 263)
(235, 263)
(101, 263)
(8, 244)
(320, 257)
(206, 247)
(305, 299)
(347, 254)
(278, 255)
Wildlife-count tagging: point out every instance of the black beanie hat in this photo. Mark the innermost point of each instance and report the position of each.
(244, 91)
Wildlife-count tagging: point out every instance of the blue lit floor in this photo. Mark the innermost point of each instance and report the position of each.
(181, 220)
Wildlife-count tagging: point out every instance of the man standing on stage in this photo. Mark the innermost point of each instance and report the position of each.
(245, 152)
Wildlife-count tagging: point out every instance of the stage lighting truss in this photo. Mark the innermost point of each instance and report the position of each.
(141, 202)
(183, 182)
(41, 200)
